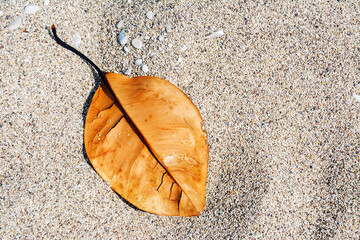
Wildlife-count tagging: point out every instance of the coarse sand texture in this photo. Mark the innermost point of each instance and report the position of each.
(277, 85)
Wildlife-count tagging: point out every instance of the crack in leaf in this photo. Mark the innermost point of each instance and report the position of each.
(114, 125)
(162, 179)
(179, 200)
(171, 190)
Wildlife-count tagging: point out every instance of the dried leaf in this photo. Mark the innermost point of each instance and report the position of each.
(145, 138)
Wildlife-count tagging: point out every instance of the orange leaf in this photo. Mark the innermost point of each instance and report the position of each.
(145, 138)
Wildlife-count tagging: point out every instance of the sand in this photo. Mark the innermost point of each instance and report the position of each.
(276, 93)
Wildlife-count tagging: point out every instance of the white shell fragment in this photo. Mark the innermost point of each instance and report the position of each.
(145, 68)
(46, 2)
(357, 97)
(31, 9)
(126, 49)
(161, 38)
(168, 28)
(15, 24)
(136, 43)
(138, 62)
(119, 24)
(150, 15)
(184, 48)
(216, 34)
(77, 40)
(128, 71)
(1, 13)
(122, 37)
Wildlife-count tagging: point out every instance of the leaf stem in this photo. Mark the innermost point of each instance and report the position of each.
(100, 72)
(67, 46)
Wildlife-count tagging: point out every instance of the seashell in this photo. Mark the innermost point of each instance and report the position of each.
(122, 39)
(119, 24)
(138, 62)
(150, 15)
(357, 97)
(168, 28)
(77, 40)
(128, 71)
(145, 68)
(31, 9)
(216, 34)
(137, 43)
(184, 48)
(14, 24)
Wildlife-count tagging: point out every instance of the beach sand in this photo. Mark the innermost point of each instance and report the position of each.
(277, 93)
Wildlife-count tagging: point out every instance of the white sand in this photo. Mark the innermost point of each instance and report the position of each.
(275, 91)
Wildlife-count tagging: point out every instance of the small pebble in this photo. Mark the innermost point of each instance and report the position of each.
(15, 24)
(136, 43)
(357, 97)
(31, 9)
(46, 2)
(168, 28)
(184, 48)
(1, 13)
(138, 62)
(126, 49)
(150, 15)
(145, 68)
(122, 37)
(216, 34)
(119, 24)
(128, 71)
(161, 38)
(77, 40)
